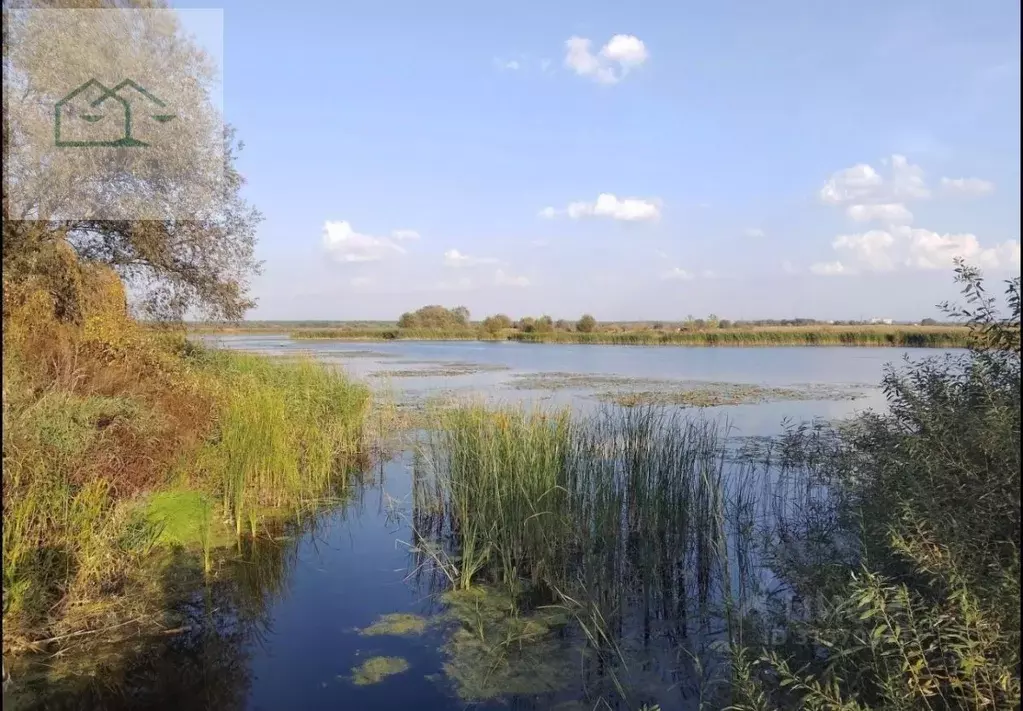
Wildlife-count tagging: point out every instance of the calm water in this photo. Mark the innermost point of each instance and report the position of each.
(303, 642)
(859, 369)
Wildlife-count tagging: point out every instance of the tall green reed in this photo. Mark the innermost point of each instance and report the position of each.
(288, 433)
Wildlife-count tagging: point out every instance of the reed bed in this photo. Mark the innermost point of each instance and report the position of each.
(645, 502)
(896, 336)
(289, 434)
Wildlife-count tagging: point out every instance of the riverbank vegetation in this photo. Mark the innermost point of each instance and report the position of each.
(824, 335)
(116, 440)
(869, 565)
(130, 454)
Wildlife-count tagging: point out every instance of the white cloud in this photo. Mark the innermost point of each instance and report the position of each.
(404, 234)
(615, 59)
(454, 258)
(507, 64)
(627, 50)
(755, 232)
(908, 180)
(346, 245)
(930, 250)
(829, 268)
(873, 248)
(628, 209)
(677, 273)
(862, 184)
(502, 279)
(914, 248)
(709, 274)
(788, 267)
(967, 186)
(891, 213)
(860, 181)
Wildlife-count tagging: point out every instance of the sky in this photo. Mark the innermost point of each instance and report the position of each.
(631, 160)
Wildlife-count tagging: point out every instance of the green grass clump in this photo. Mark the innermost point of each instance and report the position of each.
(541, 500)
(376, 669)
(288, 433)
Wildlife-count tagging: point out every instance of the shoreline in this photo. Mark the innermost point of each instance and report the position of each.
(888, 338)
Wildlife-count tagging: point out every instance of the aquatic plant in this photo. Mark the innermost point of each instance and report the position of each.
(376, 669)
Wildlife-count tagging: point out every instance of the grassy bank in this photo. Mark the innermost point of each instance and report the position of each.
(902, 336)
(123, 445)
(874, 565)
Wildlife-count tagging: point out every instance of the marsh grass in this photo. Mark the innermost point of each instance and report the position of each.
(120, 441)
(629, 522)
(820, 335)
(288, 434)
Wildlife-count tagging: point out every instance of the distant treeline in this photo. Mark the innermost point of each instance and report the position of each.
(436, 321)
(442, 324)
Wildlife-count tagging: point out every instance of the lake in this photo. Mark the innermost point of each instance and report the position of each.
(295, 641)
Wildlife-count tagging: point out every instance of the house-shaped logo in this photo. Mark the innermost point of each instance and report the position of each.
(93, 115)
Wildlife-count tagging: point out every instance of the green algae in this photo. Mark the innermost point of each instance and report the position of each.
(399, 624)
(376, 669)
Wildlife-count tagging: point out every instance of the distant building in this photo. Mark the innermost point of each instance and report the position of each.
(885, 321)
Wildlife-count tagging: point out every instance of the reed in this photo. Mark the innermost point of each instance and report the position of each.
(288, 434)
(875, 336)
(595, 507)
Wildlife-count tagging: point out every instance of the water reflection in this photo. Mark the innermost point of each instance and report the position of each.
(201, 660)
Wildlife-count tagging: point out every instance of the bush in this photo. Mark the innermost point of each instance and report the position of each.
(924, 500)
(437, 318)
(495, 324)
(586, 324)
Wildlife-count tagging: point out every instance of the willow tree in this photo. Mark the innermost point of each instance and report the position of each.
(115, 153)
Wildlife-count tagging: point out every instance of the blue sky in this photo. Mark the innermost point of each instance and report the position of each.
(742, 158)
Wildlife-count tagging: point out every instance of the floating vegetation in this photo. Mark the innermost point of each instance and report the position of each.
(376, 669)
(444, 369)
(498, 650)
(633, 392)
(582, 381)
(718, 394)
(355, 354)
(400, 624)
